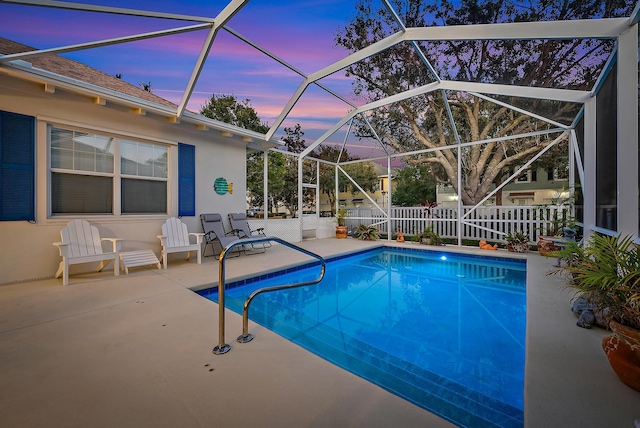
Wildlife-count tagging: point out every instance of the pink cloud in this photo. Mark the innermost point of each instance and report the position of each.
(232, 66)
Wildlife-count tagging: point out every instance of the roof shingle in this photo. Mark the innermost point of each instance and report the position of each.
(76, 70)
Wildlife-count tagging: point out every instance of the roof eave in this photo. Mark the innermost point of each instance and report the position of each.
(24, 70)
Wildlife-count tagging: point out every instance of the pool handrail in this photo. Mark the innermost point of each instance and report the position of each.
(223, 348)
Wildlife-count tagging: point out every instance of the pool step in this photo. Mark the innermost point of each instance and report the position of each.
(439, 395)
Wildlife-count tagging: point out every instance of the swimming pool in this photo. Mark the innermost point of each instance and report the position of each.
(442, 330)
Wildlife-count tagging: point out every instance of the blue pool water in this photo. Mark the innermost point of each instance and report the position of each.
(444, 331)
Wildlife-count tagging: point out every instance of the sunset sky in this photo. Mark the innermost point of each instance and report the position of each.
(299, 32)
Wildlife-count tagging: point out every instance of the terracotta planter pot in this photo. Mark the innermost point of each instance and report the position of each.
(518, 248)
(545, 247)
(341, 232)
(623, 351)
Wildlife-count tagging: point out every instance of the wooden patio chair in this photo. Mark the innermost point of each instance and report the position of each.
(81, 243)
(175, 238)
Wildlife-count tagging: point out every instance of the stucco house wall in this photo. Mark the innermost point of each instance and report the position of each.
(27, 252)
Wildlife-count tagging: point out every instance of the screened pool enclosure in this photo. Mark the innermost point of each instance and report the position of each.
(478, 102)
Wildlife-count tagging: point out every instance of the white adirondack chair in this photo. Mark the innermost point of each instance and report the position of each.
(175, 239)
(81, 243)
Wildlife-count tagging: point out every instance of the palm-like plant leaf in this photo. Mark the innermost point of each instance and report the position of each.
(609, 275)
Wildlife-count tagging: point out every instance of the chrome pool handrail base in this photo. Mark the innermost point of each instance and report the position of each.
(219, 350)
(223, 348)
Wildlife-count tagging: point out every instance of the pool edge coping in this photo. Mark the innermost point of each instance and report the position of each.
(241, 280)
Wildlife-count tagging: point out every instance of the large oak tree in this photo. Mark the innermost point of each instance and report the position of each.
(422, 122)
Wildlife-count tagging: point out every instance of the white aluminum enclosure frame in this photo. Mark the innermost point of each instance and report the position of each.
(623, 30)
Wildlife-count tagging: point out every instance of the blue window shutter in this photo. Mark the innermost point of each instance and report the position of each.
(186, 180)
(17, 178)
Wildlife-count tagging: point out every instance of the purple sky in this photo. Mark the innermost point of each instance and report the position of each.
(299, 32)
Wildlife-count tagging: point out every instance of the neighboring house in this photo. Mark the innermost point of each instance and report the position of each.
(531, 188)
(534, 187)
(78, 143)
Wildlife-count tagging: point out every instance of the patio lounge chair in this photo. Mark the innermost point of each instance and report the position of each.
(81, 243)
(214, 233)
(241, 228)
(175, 238)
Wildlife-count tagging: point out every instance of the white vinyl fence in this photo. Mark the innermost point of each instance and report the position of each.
(486, 222)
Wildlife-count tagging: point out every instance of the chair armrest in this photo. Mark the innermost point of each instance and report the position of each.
(259, 230)
(63, 247)
(198, 236)
(115, 242)
(239, 233)
(210, 236)
(163, 240)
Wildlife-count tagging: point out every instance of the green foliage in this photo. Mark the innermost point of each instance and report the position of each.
(283, 181)
(518, 241)
(362, 172)
(255, 176)
(227, 109)
(366, 233)
(607, 272)
(341, 216)
(327, 172)
(293, 140)
(413, 184)
(517, 237)
(432, 236)
(294, 143)
(283, 172)
(572, 253)
(558, 219)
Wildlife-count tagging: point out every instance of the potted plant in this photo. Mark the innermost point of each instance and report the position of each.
(424, 238)
(517, 242)
(607, 274)
(558, 216)
(366, 232)
(341, 228)
(430, 237)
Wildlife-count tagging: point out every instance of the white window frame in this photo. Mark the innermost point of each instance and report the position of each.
(526, 178)
(116, 175)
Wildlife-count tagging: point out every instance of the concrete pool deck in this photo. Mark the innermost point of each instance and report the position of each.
(135, 351)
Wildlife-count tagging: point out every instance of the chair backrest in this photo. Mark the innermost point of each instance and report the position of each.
(83, 239)
(176, 232)
(239, 222)
(212, 223)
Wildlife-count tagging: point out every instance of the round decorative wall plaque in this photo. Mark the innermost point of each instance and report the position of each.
(221, 186)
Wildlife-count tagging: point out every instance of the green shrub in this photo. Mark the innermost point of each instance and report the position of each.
(366, 233)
